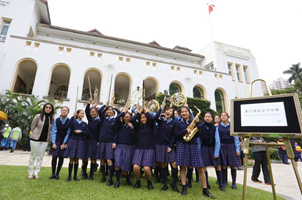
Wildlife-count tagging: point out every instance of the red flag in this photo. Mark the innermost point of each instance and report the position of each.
(211, 8)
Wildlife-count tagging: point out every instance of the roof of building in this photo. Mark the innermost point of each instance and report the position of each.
(93, 32)
(182, 48)
(45, 16)
(154, 43)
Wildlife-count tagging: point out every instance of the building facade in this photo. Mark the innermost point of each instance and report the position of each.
(279, 84)
(37, 58)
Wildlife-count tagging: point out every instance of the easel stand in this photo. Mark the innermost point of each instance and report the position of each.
(290, 153)
(287, 145)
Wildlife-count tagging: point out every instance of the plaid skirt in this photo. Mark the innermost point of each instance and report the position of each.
(91, 148)
(188, 155)
(75, 149)
(228, 155)
(105, 151)
(123, 156)
(58, 151)
(162, 155)
(207, 154)
(144, 157)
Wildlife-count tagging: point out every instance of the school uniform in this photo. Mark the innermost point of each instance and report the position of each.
(187, 153)
(106, 136)
(210, 145)
(59, 130)
(124, 144)
(92, 139)
(165, 139)
(144, 154)
(76, 142)
(229, 145)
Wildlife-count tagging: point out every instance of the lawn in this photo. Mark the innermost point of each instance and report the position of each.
(14, 185)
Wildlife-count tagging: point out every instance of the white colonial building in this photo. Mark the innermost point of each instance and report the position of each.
(37, 58)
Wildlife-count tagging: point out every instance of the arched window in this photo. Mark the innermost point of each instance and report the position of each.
(174, 88)
(151, 88)
(220, 101)
(59, 83)
(198, 93)
(121, 89)
(95, 78)
(25, 77)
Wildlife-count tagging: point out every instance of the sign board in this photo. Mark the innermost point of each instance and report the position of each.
(270, 116)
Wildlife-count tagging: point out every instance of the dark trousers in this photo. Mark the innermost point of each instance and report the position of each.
(283, 156)
(261, 159)
(299, 156)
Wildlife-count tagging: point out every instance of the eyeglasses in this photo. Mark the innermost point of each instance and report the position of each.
(48, 107)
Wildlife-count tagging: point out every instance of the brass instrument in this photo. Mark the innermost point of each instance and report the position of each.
(165, 98)
(76, 103)
(179, 99)
(110, 88)
(193, 127)
(153, 105)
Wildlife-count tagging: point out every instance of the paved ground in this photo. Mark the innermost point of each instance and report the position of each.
(284, 177)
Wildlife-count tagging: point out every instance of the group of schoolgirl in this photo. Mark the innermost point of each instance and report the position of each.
(140, 141)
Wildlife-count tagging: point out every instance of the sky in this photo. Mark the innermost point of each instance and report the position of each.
(272, 30)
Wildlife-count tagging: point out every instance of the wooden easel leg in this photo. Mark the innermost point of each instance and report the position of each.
(291, 155)
(246, 152)
(270, 172)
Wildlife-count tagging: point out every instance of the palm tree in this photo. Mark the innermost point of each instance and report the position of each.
(296, 73)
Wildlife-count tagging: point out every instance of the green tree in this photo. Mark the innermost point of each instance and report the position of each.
(21, 110)
(295, 71)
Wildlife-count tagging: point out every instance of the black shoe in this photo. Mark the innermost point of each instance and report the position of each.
(209, 187)
(117, 184)
(84, 176)
(150, 185)
(189, 185)
(174, 188)
(164, 188)
(157, 180)
(109, 183)
(234, 186)
(208, 194)
(137, 185)
(90, 178)
(52, 177)
(11, 151)
(103, 180)
(198, 181)
(76, 178)
(128, 180)
(184, 191)
(57, 177)
(222, 189)
(96, 167)
(68, 179)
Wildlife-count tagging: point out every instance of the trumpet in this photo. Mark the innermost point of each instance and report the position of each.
(187, 137)
(179, 99)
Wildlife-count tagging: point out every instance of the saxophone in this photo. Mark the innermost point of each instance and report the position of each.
(187, 137)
